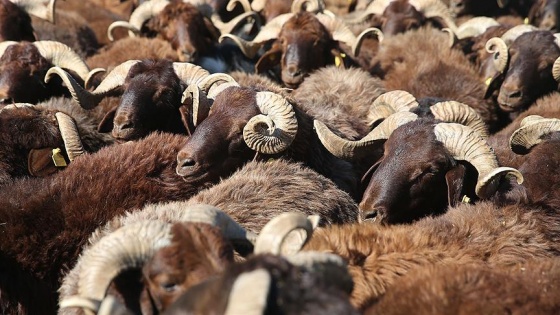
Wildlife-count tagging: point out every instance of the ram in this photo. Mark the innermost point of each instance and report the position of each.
(544, 14)
(15, 22)
(31, 135)
(252, 196)
(47, 221)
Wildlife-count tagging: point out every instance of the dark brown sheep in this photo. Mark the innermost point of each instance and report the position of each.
(270, 285)
(531, 287)
(303, 42)
(43, 233)
(30, 133)
(15, 22)
(482, 233)
(23, 67)
(544, 14)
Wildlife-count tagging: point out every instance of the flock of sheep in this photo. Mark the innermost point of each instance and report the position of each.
(279, 157)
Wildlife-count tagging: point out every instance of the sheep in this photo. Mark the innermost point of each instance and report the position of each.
(341, 96)
(168, 21)
(31, 133)
(234, 125)
(303, 42)
(150, 101)
(469, 289)
(281, 185)
(490, 8)
(378, 255)
(15, 22)
(418, 178)
(421, 63)
(544, 13)
(268, 284)
(397, 16)
(527, 69)
(47, 220)
(24, 65)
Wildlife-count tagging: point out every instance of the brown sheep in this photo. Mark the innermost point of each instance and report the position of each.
(15, 22)
(485, 233)
(531, 287)
(43, 234)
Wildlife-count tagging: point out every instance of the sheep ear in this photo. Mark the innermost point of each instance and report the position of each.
(39, 162)
(494, 84)
(455, 181)
(214, 32)
(186, 119)
(106, 124)
(269, 60)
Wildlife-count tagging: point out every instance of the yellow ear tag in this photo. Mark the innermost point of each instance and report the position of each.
(57, 158)
(338, 60)
(487, 82)
(465, 199)
(526, 21)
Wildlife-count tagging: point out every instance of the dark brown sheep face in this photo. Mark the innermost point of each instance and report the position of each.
(15, 24)
(305, 45)
(529, 74)
(22, 70)
(415, 177)
(399, 17)
(474, 7)
(483, 58)
(188, 31)
(274, 8)
(544, 14)
(150, 102)
(197, 252)
(217, 148)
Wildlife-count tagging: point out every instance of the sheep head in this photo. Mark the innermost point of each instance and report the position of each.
(24, 65)
(15, 22)
(197, 251)
(241, 123)
(525, 69)
(544, 14)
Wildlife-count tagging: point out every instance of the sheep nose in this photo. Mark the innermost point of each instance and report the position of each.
(185, 164)
(294, 70)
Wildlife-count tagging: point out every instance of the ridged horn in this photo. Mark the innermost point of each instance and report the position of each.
(499, 50)
(146, 11)
(249, 293)
(15, 105)
(456, 112)
(38, 8)
(435, 8)
(109, 306)
(284, 235)
(89, 100)
(340, 32)
(389, 103)
(529, 134)
(350, 150)
(274, 130)
(555, 67)
(475, 26)
(466, 144)
(70, 135)
(268, 32)
(244, 3)
(132, 31)
(62, 56)
(189, 73)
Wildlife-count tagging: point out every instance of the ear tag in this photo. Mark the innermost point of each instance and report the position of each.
(466, 199)
(487, 82)
(339, 60)
(58, 158)
(526, 21)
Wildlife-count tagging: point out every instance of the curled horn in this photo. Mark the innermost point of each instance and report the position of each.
(37, 8)
(466, 144)
(244, 3)
(249, 293)
(435, 8)
(228, 27)
(375, 7)
(310, 259)
(475, 26)
(258, 5)
(511, 35)
(285, 234)
(340, 32)
(70, 135)
(189, 73)
(143, 12)
(499, 49)
(350, 150)
(556, 66)
(452, 38)
(529, 134)
(62, 56)
(5, 45)
(310, 6)
(268, 32)
(389, 103)
(460, 113)
(16, 105)
(132, 245)
(109, 306)
(274, 130)
(89, 100)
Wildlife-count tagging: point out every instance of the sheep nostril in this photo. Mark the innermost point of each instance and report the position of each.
(187, 163)
(515, 94)
(371, 216)
(127, 125)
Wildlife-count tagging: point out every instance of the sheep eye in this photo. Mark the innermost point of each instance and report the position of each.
(169, 287)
